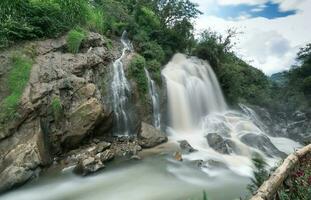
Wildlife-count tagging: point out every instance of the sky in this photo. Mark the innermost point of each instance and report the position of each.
(271, 31)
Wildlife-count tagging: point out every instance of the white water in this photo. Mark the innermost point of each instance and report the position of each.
(150, 179)
(155, 101)
(197, 108)
(120, 91)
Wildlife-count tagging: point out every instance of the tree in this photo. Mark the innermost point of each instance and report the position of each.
(174, 11)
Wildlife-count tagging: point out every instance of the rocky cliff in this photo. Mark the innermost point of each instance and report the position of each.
(65, 112)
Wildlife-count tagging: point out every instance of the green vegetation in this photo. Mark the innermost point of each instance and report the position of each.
(260, 173)
(240, 82)
(57, 108)
(31, 19)
(137, 71)
(17, 80)
(295, 92)
(74, 39)
(298, 184)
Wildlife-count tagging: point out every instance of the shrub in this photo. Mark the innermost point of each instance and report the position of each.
(74, 39)
(152, 51)
(137, 71)
(154, 67)
(17, 80)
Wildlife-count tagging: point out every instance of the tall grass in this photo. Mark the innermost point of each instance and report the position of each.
(17, 80)
(74, 39)
(96, 21)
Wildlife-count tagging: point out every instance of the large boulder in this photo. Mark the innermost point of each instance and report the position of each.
(220, 144)
(262, 143)
(186, 147)
(22, 155)
(81, 121)
(149, 136)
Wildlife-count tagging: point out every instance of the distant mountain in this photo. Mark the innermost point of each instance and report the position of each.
(280, 78)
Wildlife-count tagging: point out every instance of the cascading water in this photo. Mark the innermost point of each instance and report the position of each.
(120, 91)
(155, 101)
(198, 113)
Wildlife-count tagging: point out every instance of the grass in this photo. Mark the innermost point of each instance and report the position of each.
(74, 39)
(57, 108)
(96, 21)
(17, 81)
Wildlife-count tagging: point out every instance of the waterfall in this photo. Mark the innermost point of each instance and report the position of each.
(155, 101)
(120, 91)
(193, 91)
(199, 114)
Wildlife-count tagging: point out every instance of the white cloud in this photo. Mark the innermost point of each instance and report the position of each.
(271, 44)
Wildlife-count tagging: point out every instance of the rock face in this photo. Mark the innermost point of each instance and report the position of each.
(296, 125)
(60, 108)
(150, 137)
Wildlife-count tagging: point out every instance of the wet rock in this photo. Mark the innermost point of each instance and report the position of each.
(101, 146)
(216, 164)
(221, 145)
(262, 143)
(186, 147)
(150, 137)
(135, 157)
(88, 166)
(198, 163)
(106, 155)
(299, 116)
(178, 156)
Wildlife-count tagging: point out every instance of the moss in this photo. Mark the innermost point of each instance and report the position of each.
(137, 71)
(57, 108)
(74, 39)
(17, 81)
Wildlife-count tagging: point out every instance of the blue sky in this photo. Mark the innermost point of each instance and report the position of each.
(272, 30)
(267, 10)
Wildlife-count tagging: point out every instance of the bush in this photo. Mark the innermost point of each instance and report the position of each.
(74, 40)
(137, 71)
(17, 80)
(154, 67)
(152, 51)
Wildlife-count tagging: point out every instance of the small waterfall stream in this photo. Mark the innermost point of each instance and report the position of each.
(155, 101)
(120, 91)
